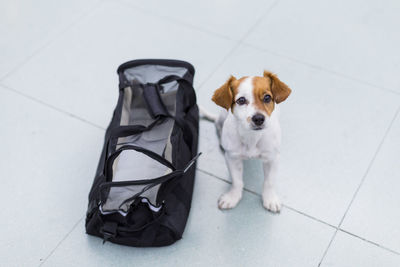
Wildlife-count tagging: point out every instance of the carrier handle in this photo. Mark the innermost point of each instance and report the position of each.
(151, 154)
(127, 130)
(171, 78)
(158, 180)
(152, 97)
(188, 130)
(123, 131)
(151, 183)
(157, 109)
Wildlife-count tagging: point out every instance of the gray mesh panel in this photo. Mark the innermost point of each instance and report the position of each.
(131, 165)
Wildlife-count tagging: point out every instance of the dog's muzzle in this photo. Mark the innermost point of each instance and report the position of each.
(258, 119)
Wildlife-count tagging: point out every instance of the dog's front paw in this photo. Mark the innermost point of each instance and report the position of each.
(271, 201)
(229, 200)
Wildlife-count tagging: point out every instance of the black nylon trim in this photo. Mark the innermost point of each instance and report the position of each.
(164, 62)
(151, 154)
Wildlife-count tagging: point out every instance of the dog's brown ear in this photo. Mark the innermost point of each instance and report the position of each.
(223, 96)
(279, 89)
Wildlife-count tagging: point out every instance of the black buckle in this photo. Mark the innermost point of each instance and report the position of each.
(109, 230)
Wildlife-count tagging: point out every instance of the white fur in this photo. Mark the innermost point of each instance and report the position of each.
(240, 141)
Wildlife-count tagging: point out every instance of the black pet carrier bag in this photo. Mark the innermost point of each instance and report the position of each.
(142, 191)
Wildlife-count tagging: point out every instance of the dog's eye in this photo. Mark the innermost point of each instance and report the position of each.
(241, 101)
(267, 98)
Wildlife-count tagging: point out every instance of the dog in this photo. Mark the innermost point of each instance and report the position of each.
(249, 127)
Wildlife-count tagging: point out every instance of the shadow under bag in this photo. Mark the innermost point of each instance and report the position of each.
(142, 191)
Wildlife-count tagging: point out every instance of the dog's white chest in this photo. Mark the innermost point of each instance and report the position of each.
(249, 144)
(249, 148)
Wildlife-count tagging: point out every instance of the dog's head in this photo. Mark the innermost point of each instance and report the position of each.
(252, 99)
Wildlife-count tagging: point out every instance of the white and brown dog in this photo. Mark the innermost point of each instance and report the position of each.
(250, 130)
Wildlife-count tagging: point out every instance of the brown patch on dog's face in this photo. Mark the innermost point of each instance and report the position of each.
(225, 95)
(267, 91)
(279, 89)
(262, 92)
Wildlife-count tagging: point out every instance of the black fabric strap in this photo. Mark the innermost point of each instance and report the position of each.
(175, 175)
(188, 131)
(127, 130)
(171, 78)
(123, 131)
(104, 187)
(157, 109)
(182, 195)
(151, 95)
(151, 154)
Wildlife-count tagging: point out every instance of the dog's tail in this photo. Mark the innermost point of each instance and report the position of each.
(204, 114)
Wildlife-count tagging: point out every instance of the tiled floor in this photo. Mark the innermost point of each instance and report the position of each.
(340, 170)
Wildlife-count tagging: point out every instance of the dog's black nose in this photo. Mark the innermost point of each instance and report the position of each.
(258, 119)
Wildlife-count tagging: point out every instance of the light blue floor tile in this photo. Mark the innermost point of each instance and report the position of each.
(231, 19)
(26, 26)
(245, 236)
(331, 129)
(350, 251)
(375, 213)
(358, 39)
(80, 67)
(48, 162)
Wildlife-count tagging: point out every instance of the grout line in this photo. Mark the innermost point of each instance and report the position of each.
(369, 241)
(320, 68)
(257, 194)
(361, 182)
(308, 216)
(240, 42)
(182, 23)
(174, 20)
(38, 101)
(328, 247)
(218, 66)
(258, 21)
(338, 228)
(371, 162)
(86, 14)
(56, 35)
(61, 241)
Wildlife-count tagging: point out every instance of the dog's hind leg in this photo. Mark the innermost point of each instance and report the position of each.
(219, 122)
